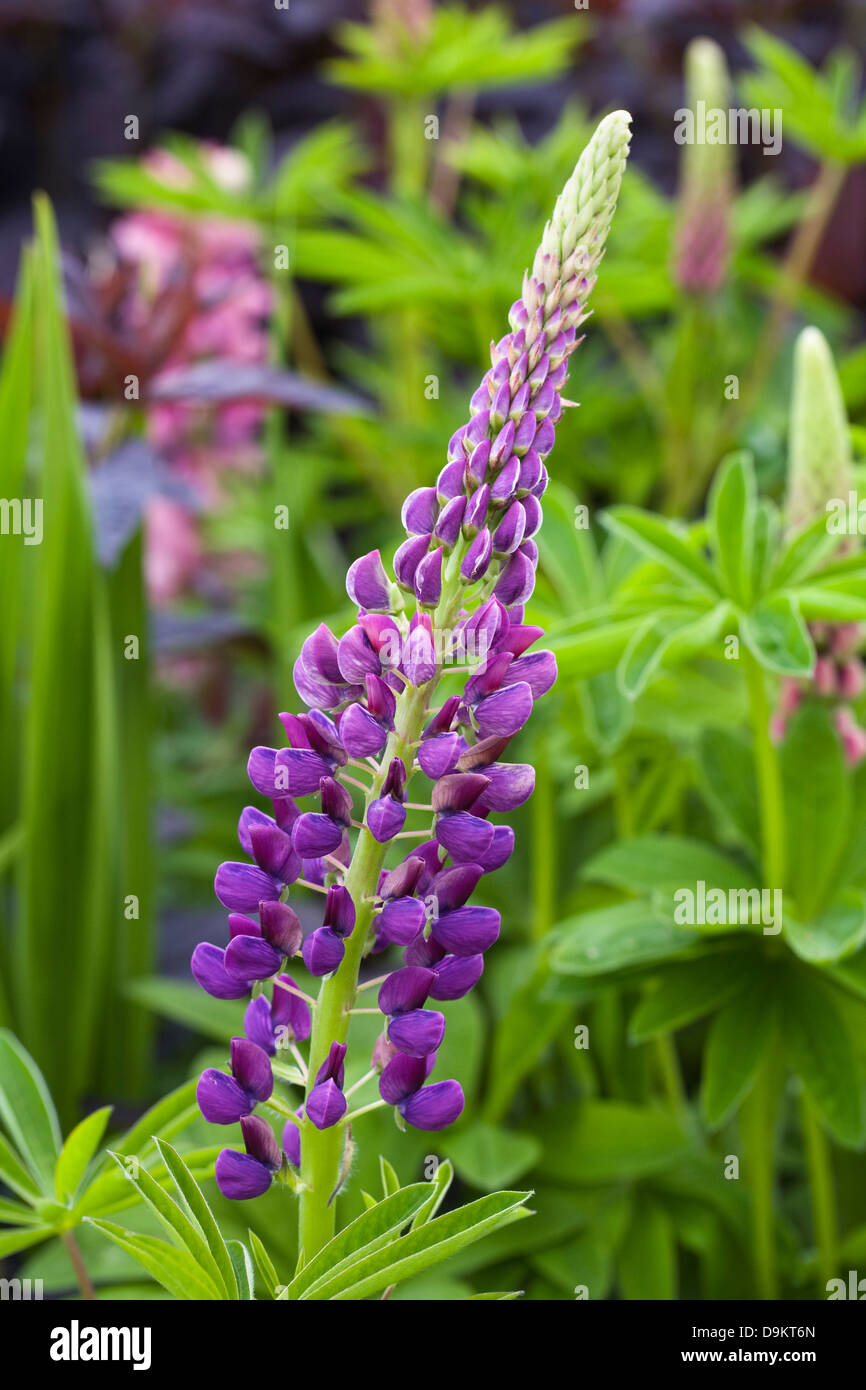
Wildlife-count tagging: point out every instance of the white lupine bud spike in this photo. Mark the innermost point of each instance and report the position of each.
(819, 461)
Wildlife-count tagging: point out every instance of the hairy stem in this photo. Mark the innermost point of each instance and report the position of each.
(73, 1250)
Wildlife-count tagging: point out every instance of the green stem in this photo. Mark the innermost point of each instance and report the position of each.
(770, 798)
(758, 1132)
(73, 1250)
(820, 1170)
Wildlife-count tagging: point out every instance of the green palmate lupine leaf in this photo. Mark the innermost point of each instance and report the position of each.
(774, 631)
(736, 1044)
(423, 1247)
(664, 863)
(765, 544)
(268, 1277)
(728, 781)
(818, 604)
(732, 511)
(13, 1241)
(819, 1050)
(686, 992)
(15, 1175)
(373, 1229)
(78, 1150)
(647, 1263)
(440, 1185)
(16, 1214)
(806, 552)
(199, 1211)
(176, 1222)
(176, 1270)
(590, 653)
(243, 1277)
(840, 931)
(616, 938)
(817, 793)
(27, 1111)
(661, 542)
(595, 1141)
(607, 713)
(487, 1156)
(817, 108)
(390, 1181)
(663, 640)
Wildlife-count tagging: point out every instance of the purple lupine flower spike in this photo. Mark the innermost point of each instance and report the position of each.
(372, 723)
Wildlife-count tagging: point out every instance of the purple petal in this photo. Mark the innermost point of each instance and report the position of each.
(439, 754)
(316, 835)
(405, 989)
(362, 735)
(258, 1025)
(516, 582)
(334, 1066)
(510, 785)
(251, 816)
(326, 1104)
(260, 768)
(500, 850)
(298, 771)
(241, 887)
(417, 1033)
(407, 558)
(221, 1099)
(322, 952)
(477, 557)
(468, 931)
(260, 1143)
(419, 513)
(292, 1143)
(251, 1068)
(456, 976)
(401, 919)
(208, 968)
(419, 658)
(251, 958)
(290, 1014)
(454, 886)
(239, 1176)
(505, 711)
(435, 1106)
(385, 818)
(317, 693)
(366, 582)
(339, 910)
(273, 852)
(458, 791)
(320, 656)
(281, 927)
(356, 656)
(509, 532)
(428, 579)
(450, 520)
(538, 669)
(402, 1076)
(466, 838)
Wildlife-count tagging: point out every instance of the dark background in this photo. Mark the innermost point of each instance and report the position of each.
(71, 70)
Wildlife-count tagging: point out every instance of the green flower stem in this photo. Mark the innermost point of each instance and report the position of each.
(771, 804)
(321, 1150)
(819, 1166)
(758, 1134)
(73, 1250)
(758, 1115)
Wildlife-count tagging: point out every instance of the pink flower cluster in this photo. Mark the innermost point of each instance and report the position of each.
(839, 678)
